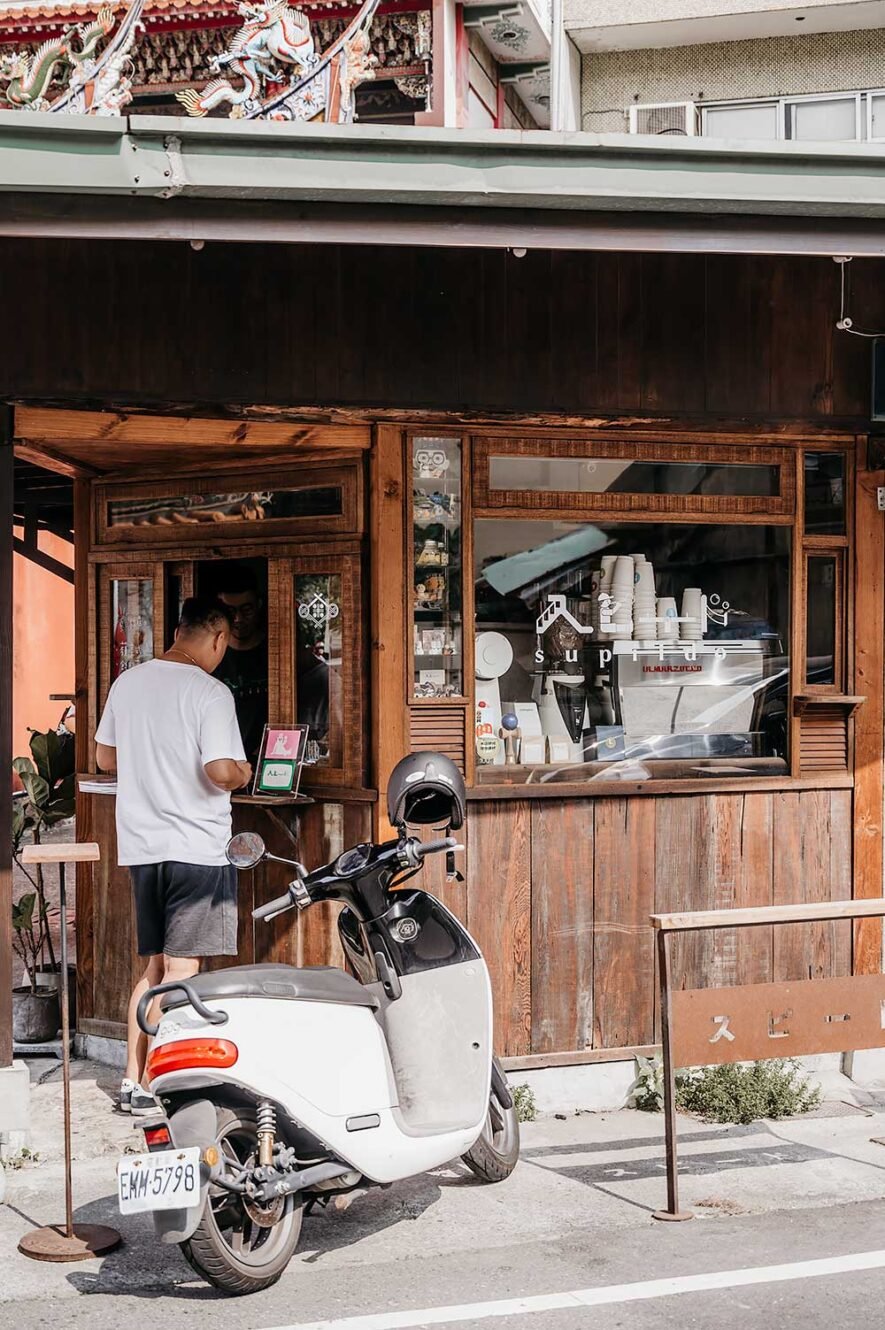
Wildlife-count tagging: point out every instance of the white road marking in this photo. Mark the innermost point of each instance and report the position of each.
(600, 1297)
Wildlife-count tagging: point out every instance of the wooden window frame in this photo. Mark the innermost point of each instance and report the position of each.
(346, 476)
(783, 509)
(839, 554)
(565, 504)
(348, 566)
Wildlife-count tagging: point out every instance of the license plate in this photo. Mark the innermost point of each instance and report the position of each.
(163, 1180)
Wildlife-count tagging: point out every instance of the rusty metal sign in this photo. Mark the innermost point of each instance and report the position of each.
(757, 1021)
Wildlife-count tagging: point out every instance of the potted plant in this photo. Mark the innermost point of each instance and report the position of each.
(47, 797)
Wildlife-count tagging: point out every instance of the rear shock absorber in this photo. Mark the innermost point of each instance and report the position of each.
(267, 1126)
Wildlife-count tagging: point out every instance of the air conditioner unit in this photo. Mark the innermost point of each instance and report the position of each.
(664, 118)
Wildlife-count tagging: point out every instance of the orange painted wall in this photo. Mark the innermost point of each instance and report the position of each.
(43, 642)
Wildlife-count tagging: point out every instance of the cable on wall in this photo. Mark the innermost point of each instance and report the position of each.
(844, 322)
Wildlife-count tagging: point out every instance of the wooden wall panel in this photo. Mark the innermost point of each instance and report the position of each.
(684, 878)
(499, 914)
(563, 853)
(112, 915)
(809, 829)
(468, 330)
(623, 945)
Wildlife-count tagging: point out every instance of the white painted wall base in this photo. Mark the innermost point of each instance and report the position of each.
(866, 1067)
(15, 1104)
(595, 1087)
(108, 1052)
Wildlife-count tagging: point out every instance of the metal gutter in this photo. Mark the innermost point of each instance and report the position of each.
(395, 184)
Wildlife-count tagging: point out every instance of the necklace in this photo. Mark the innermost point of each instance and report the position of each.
(181, 651)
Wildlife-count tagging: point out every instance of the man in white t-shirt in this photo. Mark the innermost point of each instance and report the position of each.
(169, 731)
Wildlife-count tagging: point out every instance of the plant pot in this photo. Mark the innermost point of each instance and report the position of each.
(49, 980)
(36, 1017)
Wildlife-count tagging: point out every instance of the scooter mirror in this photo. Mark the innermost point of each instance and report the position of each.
(245, 850)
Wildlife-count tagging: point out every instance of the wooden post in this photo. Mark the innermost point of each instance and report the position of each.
(390, 738)
(6, 754)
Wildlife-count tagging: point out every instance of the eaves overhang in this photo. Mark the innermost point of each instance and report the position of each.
(247, 178)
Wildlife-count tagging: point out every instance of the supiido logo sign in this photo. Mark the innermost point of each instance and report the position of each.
(714, 610)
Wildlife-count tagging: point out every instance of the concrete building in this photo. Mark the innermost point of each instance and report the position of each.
(737, 69)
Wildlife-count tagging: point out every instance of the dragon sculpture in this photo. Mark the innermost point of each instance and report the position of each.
(93, 82)
(275, 46)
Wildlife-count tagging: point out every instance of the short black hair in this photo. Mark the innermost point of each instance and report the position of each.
(203, 612)
(235, 578)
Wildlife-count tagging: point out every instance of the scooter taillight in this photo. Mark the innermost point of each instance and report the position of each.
(186, 1054)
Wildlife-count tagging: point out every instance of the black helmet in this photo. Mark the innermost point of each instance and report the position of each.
(426, 789)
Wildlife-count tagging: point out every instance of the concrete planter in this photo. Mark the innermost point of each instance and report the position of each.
(36, 1017)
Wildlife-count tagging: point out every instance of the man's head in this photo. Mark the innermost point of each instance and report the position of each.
(238, 590)
(204, 631)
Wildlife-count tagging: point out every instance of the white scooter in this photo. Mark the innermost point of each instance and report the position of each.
(283, 1087)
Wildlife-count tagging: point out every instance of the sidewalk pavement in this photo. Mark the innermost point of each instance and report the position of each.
(579, 1177)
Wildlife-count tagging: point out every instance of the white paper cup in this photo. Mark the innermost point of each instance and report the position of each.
(644, 580)
(668, 620)
(691, 603)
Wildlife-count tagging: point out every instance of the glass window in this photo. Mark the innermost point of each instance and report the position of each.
(436, 561)
(821, 595)
(319, 628)
(132, 623)
(833, 119)
(597, 475)
(825, 494)
(742, 122)
(215, 508)
(628, 651)
(877, 115)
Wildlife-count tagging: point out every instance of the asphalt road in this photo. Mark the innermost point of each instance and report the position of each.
(609, 1270)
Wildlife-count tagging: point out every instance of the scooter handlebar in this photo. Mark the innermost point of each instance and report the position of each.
(275, 906)
(423, 848)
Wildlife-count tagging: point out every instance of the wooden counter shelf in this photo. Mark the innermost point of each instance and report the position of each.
(272, 800)
(803, 702)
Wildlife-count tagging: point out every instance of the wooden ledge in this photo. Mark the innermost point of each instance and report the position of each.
(808, 912)
(809, 701)
(79, 852)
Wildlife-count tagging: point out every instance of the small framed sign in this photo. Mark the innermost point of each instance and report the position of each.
(280, 759)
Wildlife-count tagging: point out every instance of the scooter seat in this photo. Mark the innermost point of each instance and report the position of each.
(320, 983)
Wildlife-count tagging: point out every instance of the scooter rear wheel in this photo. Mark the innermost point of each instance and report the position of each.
(238, 1249)
(495, 1154)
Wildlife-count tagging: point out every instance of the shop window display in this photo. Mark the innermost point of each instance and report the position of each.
(436, 564)
(630, 650)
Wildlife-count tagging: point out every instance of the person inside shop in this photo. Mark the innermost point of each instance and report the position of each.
(169, 730)
(244, 667)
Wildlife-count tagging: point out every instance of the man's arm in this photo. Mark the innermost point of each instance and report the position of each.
(106, 757)
(227, 773)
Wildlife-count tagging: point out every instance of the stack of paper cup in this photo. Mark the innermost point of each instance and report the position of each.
(622, 597)
(595, 588)
(668, 620)
(606, 573)
(692, 627)
(644, 603)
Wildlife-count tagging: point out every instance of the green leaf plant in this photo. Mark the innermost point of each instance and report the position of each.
(47, 797)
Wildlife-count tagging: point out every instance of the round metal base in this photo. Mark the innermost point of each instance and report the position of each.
(53, 1244)
(679, 1217)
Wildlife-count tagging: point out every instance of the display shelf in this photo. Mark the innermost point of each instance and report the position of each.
(436, 559)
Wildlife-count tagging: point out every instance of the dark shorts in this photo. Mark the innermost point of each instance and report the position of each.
(185, 909)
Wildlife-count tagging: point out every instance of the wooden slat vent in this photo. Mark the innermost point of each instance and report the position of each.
(823, 740)
(440, 730)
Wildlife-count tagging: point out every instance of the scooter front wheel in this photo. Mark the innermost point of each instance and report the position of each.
(236, 1246)
(494, 1155)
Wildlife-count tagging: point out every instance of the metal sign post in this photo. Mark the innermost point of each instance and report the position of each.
(68, 1241)
(752, 1022)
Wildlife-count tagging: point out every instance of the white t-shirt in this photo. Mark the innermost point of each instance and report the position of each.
(166, 721)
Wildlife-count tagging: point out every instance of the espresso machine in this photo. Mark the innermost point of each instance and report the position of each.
(695, 700)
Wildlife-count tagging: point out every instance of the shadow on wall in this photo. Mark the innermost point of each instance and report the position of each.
(43, 641)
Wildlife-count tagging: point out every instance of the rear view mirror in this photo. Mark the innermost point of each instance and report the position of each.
(245, 850)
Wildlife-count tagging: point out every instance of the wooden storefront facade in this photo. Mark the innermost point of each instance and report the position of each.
(311, 370)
